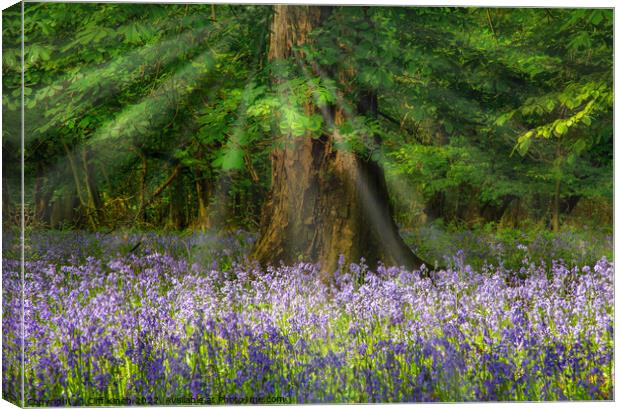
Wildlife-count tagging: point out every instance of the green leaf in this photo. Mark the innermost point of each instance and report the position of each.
(561, 128)
(232, 158)
(314, 123)
(579, 146)
(523, 146)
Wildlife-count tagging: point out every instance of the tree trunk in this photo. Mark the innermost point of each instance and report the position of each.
(203, 192)
(76, 176)
(78, 187)
(177, 204)
(324, 202)
(41, 197)
(94, 201)
(141, 214)
(555, 216)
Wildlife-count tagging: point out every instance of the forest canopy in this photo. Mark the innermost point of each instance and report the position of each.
(167, 116)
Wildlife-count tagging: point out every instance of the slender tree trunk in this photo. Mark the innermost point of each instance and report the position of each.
(177, 204)
(55, 215)
(76, 176)
(141, 215)
(555, 211)
(41, 198)
(203, 191)
(324, 202)
(7, 204)
(555, 216)
(78, 187)
(94, 201)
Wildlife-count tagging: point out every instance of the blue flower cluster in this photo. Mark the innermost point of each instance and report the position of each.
(154, 327)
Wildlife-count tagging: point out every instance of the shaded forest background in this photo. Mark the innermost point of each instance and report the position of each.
(165, 116)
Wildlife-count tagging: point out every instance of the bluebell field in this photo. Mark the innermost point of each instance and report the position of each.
(181, 317)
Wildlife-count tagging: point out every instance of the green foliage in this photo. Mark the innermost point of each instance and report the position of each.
(480, 107)
(133, 83)
(483, 85)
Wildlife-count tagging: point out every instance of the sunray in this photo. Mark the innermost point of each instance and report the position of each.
(103, 82)
(153, 108)
(369, 200)
(157, 106)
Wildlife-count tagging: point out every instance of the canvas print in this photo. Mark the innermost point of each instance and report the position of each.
(291, 204)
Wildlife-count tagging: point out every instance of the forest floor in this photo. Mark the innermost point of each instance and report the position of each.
(178, 318)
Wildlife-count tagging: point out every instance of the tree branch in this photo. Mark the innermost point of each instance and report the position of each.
(163, 186)
(400, 125)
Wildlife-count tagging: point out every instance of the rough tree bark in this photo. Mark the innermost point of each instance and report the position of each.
(324, 202)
